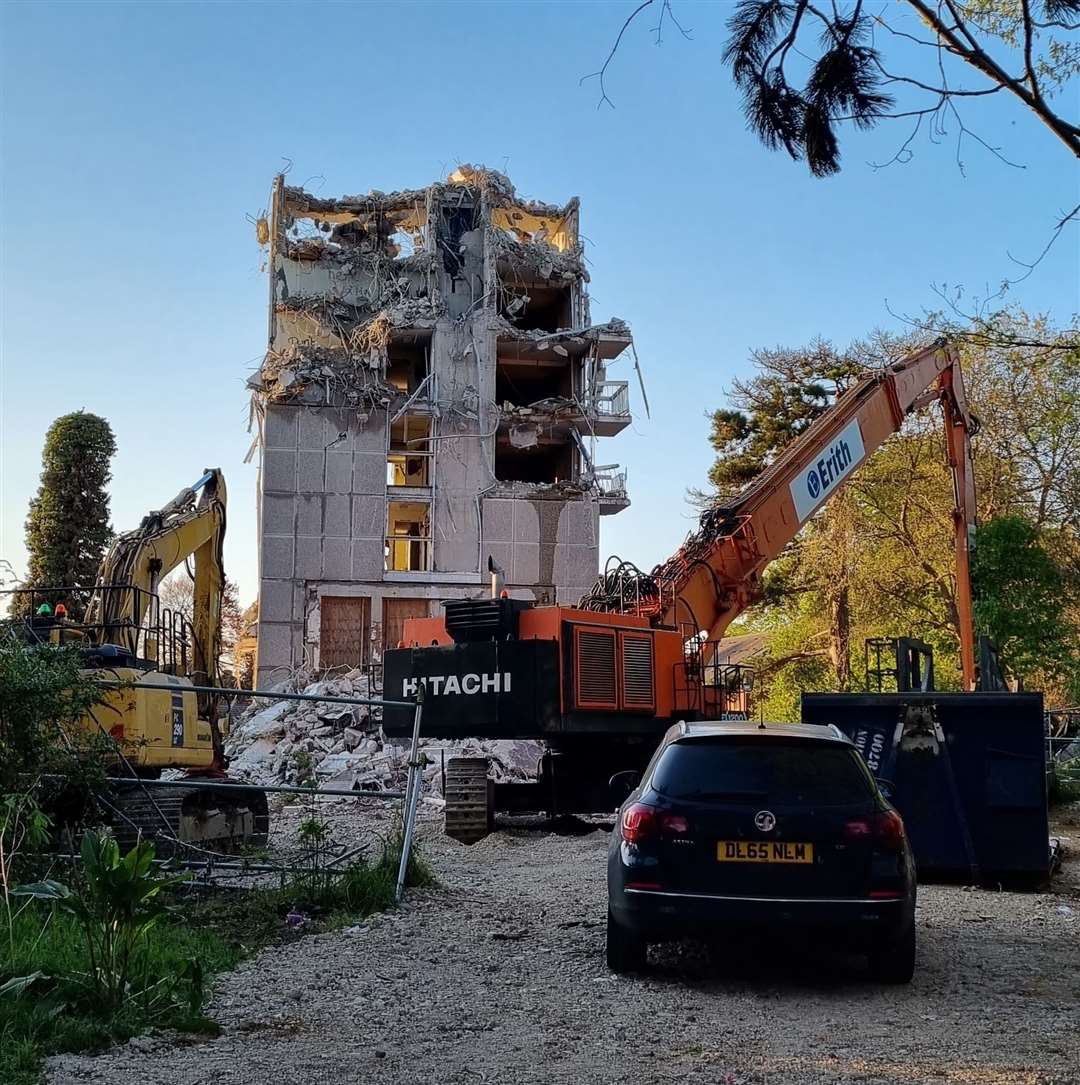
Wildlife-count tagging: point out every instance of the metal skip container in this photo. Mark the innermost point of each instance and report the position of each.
(967, 773)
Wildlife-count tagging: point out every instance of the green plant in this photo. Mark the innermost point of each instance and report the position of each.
(23, 827)
(44, 693)
(121, 902)
(305, 769)
(314, 836)
(50, 1006)
(1065, 783)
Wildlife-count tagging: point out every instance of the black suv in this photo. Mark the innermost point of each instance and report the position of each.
(737, 825)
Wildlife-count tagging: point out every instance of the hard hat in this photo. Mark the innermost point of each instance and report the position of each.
(44, 610)
(61, 610)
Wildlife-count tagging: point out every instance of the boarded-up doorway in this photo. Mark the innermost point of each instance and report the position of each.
(395, 611)
(344, 631)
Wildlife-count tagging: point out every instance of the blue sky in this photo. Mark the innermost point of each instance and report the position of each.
(138, 138)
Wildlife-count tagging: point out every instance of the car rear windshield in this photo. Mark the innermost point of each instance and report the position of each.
(729, 769)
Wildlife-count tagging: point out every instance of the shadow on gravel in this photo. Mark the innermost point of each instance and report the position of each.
(563, 825)
(765, 961)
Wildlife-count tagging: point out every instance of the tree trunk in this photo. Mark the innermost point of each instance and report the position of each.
(840, 633)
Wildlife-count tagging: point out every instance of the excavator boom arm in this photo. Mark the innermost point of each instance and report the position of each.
(717, 573)
(191, 525)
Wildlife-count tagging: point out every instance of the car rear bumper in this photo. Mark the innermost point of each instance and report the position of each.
(661, 915)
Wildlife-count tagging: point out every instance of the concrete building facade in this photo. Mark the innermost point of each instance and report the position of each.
(432, 396)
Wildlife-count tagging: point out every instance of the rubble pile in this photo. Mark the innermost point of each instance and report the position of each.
(343, 746)
(540, 257)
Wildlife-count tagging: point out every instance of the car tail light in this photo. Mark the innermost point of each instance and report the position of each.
(641, 822)
(889, 831)
(885, 829)
(638, 823)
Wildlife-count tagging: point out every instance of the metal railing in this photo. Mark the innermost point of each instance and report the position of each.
(611, 483)
(610, 399)
(117, 616)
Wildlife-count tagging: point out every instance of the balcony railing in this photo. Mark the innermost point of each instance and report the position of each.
(611, 399)
(611, 483)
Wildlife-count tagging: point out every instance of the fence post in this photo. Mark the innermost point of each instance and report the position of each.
(412, 794)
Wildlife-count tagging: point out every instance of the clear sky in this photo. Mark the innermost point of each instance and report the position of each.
(138, 139)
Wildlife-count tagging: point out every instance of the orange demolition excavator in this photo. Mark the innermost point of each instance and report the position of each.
(600, 682)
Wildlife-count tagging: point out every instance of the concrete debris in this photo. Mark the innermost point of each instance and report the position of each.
(523, 436)
(351, 374)
(342, 746)
(540, 257)
(545, 340)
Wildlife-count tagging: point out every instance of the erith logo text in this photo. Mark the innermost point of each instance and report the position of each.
(829, 468)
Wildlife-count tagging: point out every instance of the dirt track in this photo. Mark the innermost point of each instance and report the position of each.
(499, 977)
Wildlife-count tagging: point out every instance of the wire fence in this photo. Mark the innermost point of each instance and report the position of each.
(215, 866)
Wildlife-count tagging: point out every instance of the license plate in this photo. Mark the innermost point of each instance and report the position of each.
(763, 851)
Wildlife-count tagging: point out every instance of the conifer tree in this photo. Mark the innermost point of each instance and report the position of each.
(67, 528)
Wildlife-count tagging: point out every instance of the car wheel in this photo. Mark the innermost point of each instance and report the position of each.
(894, 962)
(625, 951)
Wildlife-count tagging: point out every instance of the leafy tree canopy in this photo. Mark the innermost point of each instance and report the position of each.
(878, 559)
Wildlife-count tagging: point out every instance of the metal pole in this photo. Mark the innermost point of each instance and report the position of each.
(413, 789)
(284, 789)
(184, 687)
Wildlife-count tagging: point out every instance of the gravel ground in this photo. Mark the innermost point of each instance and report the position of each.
(499, 977)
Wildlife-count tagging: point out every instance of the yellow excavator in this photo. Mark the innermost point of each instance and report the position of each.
(159, 660)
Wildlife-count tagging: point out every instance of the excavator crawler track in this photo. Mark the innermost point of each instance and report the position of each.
(469, 799)
(224, 818)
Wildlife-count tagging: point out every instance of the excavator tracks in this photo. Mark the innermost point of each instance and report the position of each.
(469, 795)
(223, 818)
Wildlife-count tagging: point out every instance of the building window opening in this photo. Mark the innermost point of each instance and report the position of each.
(542, 464)
(405, 232)
(407, 366)
(530, 383)
(456, 223)
(408, 461)
(408, 536)
(538, 308)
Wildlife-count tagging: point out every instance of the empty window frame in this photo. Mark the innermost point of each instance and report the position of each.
(522, 383)
(542, 464)
(538, 308)
(407, 366)
(408, 536)
(409, 459)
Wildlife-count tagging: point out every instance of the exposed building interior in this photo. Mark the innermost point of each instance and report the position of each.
(432, 395)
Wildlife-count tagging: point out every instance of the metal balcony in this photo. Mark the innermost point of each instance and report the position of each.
(611, 486)
(608, 408)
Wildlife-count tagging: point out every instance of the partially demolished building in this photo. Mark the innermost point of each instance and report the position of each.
(432, 395)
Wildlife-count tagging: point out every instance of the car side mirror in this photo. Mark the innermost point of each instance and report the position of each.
(886, 788)
(622, 783)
